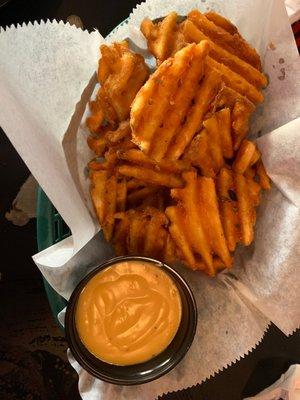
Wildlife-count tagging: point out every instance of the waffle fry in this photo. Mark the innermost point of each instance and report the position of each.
(194, 35)
(159, 94)
(104, 196)
(209, 149)
(121, 74)
(241, 111)
(195, 223)
(164, 38)
(238, 197)
(264, 180)
(149, 176)
(233, 43)
(144, 232)
(178, 180)
(244, 157)
(222, 22)
(236, 81)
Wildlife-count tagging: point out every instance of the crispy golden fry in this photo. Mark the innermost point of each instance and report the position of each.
(121, 74)
(110, 198)
(208, 89)
(222, 22)
(234, 44)
(198, 154)
(150, 176)
(236, 64)
(144, 232)
(98, 144)
(121, 195)
(157, 96)
(136, 156)
(140, 194)
(191, 115)
(123, 131)
(178, 110)
(169, 251)
(190, 200)
(250, 173)
(211, 219)
(121, 234)
(256, 156)
(218, 265)
(236, 81)
(104, 196)
(241, 110)
(244, 157)
(254, 191)
(264, 180)
(228, 207)
(215, 144)
(209, 148)
(177, 230)
(162, 38)
(245, 209)
(98, 184)
(224, 124)
(155, 236)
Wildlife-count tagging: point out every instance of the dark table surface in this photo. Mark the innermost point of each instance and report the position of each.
(244, 378)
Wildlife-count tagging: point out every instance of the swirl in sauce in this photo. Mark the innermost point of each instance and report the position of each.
(128, 313)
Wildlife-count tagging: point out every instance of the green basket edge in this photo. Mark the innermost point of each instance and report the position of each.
(45, 238)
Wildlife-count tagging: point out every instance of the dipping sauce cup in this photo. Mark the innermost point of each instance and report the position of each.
(131, 320)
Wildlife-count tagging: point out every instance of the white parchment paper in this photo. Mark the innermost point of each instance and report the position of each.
(46, 78)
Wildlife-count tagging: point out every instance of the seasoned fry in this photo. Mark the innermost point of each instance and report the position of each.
(138, 157)
(241, 110)
(120, 133)
(162, 38)
(245, 209)
(121, 195)
(121, 235)
(207, 90)
(236, 64)
(228, 207)
(169, 251)
(209, 148)
(135, 239)
(158, 95)
(224, 124)
(222, 22)
(173, 176)
(211, 219)
(177, 230)
(215, 144)
(198, 154)
(234, 44)
(98, 185)
(264, 180)
(110, 198)
(189, 196)
(97, 144)
(150, 176)
(140, 194)
(236, 81)
(121, 74)
(244, 157)
(179, 109)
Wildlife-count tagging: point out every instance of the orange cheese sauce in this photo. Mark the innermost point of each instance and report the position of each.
(128, 313)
